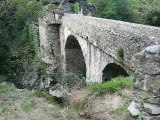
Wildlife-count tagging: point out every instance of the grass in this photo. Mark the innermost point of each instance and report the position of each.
(28, 104)
(112, 86)
(44, 94)
(72, 114)
(4, 88)
(122, 112)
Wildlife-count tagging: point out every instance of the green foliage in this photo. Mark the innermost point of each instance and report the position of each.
(52, 7)
(18, 36)
(3, 78)
(120, 53)
(153, 18)
(139, 11)
(112, 9)
(76, 7)
(112, 86)
(28, 104)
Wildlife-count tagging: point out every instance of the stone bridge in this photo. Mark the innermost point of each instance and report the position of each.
(101, 49)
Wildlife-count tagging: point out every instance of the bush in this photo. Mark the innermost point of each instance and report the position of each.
(112, 86)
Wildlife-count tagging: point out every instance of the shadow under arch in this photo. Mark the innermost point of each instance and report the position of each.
(113, 70)
(75, 62)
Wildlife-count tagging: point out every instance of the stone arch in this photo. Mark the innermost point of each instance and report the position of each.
(75, 62)
(113, 70)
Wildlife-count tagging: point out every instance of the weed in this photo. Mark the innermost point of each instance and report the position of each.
(112, 86)
(120, 53)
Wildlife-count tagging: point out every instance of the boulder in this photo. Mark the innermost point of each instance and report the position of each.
(57, 93)
(133, 109)
(151, 108)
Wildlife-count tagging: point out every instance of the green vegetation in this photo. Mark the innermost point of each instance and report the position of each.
(138, 11)
(18, 38)
(4, 88)
(114, 85)
(120, 53)
(113, 9)
(3, 78)
(76, 8)
(28, 104)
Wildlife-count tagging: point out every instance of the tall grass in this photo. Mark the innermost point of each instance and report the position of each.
(112, 86)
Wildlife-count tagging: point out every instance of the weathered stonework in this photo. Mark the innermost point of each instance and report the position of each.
(99, 40)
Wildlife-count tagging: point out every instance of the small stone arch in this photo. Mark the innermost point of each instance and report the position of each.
(113, 70)
(75, 62)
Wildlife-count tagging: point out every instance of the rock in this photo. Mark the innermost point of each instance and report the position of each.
(151, 117)
(58, 93)
(155, 49)
(152, 100)
(133, 109)
(151, 108)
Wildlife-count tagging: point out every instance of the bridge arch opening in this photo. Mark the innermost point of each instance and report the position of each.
(113, 70)
(75, 62)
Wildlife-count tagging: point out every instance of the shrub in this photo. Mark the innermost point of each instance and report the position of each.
(112, 86)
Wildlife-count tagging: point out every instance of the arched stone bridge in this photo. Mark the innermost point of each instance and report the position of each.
(101, 49)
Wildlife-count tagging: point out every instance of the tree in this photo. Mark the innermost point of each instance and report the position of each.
(112, 9)
(16, 38)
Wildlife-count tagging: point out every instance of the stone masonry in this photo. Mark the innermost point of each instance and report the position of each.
(99, 40)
